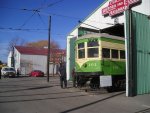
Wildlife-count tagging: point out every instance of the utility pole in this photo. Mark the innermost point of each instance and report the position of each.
(48, 52)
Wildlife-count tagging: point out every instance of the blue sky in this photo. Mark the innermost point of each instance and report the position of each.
(65, 15)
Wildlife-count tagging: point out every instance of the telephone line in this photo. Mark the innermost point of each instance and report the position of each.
(51, 4)
(2, 28)
(37, 10)
(41, 18)
(27, 20)
(24, 9)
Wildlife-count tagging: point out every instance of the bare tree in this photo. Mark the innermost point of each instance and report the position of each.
(15, 41)
(1, 62)
(12, 43)
(54, 58)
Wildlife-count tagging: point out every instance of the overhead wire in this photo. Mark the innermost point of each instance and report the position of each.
(41, 18)
(54, 14)
(23, 9)
(9, 8)
(51, 4)
(72, 17)
(27, 20)
(60, 15)
(43, 13)
(38, 12)
(35, 11)
(31, 30)
(19, 29)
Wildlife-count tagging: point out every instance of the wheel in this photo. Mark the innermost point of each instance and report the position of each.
(81, 81)
(94, 83)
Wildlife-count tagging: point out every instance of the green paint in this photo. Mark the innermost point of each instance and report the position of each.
(101, 39)
(140, 78)
(112, 40)
(90, 66)
(107, 67)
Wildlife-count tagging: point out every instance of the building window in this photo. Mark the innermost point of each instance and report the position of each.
(105, 53)
(114, 53)
(92, 52)
(122, 54)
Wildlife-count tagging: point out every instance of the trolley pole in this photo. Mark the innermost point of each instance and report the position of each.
(48, 52)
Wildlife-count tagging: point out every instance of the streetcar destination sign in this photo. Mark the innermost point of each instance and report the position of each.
(116, 7)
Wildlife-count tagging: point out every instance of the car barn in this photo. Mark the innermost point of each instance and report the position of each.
(129, 19)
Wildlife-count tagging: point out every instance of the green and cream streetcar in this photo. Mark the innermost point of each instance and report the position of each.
(100, 58)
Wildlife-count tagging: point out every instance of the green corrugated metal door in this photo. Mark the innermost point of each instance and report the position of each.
(141, 52)
(72, 56)
(141, 25)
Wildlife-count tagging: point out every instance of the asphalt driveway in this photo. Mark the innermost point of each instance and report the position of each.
(35, 95)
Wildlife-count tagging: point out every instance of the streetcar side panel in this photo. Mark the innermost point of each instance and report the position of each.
(113, 56)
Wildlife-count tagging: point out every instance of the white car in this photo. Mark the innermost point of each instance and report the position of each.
(8, 72)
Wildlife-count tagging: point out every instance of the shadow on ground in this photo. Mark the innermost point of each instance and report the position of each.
(89, 104)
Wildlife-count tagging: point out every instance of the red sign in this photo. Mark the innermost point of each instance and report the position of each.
(118, 6)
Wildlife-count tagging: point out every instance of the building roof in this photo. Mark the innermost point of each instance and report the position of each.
(38, 51)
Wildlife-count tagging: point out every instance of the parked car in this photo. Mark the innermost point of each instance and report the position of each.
(36, 73)
(8, 72)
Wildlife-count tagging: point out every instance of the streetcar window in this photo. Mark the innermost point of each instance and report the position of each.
(92, 43)
(81, 53)
(122, 54)
(105, 53)
(81, 45)
(114, 53)
(93, 52)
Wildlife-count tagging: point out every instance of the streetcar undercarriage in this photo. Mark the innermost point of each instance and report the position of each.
(118, 82)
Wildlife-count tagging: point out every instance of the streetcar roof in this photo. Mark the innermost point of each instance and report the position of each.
(97, 35)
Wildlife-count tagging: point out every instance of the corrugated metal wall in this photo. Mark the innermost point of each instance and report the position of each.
(72, 56)
(141, 25)
(141, 52)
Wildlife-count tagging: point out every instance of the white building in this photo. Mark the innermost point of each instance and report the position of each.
(27, 59)
(9, 59)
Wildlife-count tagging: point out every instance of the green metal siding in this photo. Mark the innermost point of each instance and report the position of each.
(142, 33)
(72, 56)
(141, 52)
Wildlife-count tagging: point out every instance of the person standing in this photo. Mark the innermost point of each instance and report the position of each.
(18, 72)
(62, 74)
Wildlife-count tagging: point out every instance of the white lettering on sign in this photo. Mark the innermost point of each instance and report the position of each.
(118, 6)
